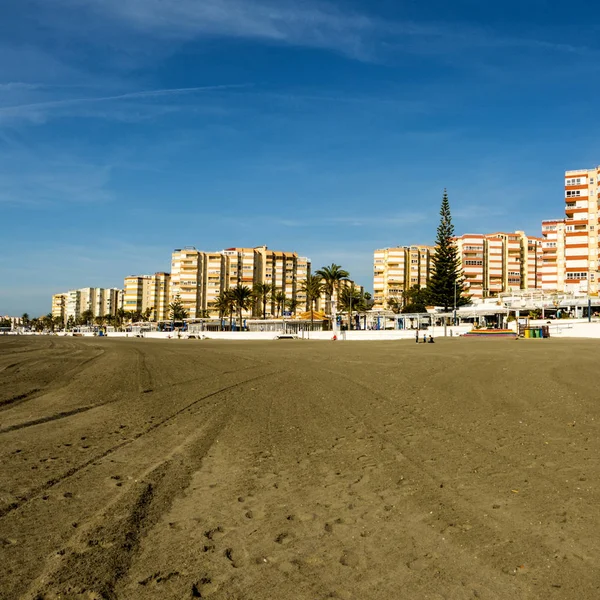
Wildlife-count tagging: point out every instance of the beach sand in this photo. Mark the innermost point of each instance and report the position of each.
(137, 469)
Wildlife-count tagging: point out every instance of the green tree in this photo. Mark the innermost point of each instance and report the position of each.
(120, 317)
(279, 299)
(312, 286)
(225, 304)
(292, 304)
(135, 316)
(349, 301)
(331, 277)
(242, 296)
(86, 317)
(25, 320)
(177, 312)
(262, 293)
(446, 281)
(48, 322)
(148, 313)
(415, 300)
(394, 305)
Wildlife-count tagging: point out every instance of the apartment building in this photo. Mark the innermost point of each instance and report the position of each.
(100, 301)
(582, 194)
(491, 263)
(396, 270)
(143, 292)
(199, 277)
(186, 279)
(553, 255)
(59, 306)
(533, 263)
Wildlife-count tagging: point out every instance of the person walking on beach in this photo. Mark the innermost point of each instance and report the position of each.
(417, 336)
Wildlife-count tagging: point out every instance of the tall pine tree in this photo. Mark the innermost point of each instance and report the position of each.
(446, 271)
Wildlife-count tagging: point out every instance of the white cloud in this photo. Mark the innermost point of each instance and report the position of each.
(307, 24)
(37, 112)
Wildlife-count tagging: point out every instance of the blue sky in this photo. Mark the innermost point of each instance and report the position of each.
(132, 127)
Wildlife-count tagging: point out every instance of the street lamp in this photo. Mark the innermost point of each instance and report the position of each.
(454, 318)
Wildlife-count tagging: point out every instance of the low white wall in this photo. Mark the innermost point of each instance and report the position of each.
(571, 328)
(361, 335)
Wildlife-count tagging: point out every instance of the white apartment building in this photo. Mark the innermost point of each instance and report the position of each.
(100, 301)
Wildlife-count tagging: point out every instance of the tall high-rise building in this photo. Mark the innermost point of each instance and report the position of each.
(491, 264)
(553, 255)
(143, 292)
(396, 270)
(59, 306)
(582, 194)
(199, 277)
(186, 279)
(100, 301)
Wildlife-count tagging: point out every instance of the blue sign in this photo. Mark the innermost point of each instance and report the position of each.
(287, 313)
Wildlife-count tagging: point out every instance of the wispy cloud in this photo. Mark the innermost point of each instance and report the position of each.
(308, 24)
(313, 23)
(12, 86)
(37, 111)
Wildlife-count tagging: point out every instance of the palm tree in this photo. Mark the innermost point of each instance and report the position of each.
(225, 304)
(86, 317)
(59, 322)
(177, 311)
(25, 319)
(331, 281)
(147, 313)
(312, 286)
(242, 296)
(120, 317)
(262, 292)
(279, 298)
(292, 304)
(350, 300)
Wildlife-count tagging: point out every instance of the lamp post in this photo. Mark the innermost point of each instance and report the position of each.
(454, 318)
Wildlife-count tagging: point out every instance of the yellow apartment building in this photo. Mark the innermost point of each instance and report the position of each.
(199, 277)
(396, 270)
(142, 292)
(59, 306)
(186, 279)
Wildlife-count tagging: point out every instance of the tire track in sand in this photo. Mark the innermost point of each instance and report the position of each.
(76, 469)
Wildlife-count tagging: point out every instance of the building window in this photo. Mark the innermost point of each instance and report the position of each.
(573, 193)
(573, 181)
(582, 275)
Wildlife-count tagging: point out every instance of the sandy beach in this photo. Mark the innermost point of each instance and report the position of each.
(138, 469)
